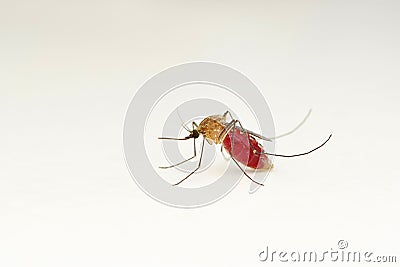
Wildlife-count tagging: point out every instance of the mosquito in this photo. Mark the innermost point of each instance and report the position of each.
(241, 144)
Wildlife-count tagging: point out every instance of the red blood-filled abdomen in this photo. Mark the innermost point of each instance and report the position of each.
(243, 152)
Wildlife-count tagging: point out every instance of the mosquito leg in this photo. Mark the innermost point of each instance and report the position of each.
(300, 154)
(227, 129)
(246, 133)
(186, 138)
(232, 146)
(198, 166)
(222, 135)
(295, 128)
(230, 115)
(279, 155)
(248, 139)
(223, 154)
(186, 160)
(250, 132)
(275, 137)
(246, 173)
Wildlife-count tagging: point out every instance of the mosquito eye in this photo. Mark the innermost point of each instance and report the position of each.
(195, 134)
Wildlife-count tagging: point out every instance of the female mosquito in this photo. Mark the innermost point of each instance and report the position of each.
(241, 144)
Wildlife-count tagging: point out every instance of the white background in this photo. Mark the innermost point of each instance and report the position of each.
(68, 70)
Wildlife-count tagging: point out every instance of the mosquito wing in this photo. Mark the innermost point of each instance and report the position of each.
(259, 136)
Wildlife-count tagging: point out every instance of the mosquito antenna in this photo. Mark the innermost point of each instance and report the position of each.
(296, 155)
(295, 128)
(183, 124)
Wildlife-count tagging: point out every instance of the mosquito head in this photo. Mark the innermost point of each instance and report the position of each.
(194, 134)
